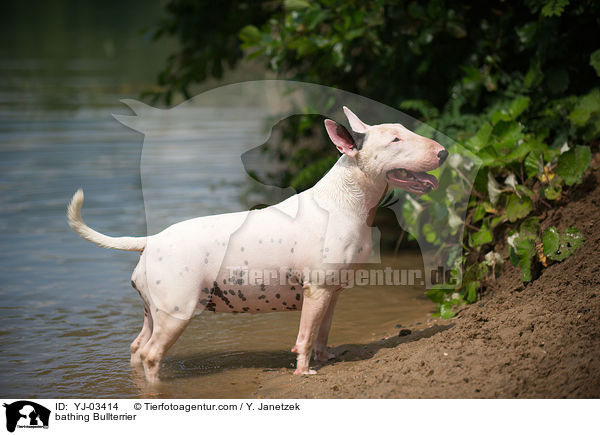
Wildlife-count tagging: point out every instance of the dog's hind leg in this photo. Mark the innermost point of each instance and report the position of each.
(321, 351)
(141, 339)
(166, 329)
(139, 283)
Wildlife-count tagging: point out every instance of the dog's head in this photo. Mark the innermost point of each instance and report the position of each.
(391, 151)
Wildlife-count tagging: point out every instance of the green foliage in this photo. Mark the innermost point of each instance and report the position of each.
(517, 208)
(554, 7)
(514, 83)
(522, 247)
(573, 163)
(209, 38)
(586, 114)
(557, 247)
(525, 253)
(529, 250)
(481, 237)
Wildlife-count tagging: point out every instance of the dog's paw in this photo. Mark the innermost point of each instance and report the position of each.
(305, 372)
(324, 355)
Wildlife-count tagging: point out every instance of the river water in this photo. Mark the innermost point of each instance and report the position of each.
(68, 312)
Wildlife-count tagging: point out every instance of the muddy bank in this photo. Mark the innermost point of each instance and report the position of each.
(539, 340)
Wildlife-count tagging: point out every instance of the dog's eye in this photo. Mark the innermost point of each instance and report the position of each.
(396, 139)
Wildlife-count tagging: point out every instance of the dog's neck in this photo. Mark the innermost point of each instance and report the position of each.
(351, 190)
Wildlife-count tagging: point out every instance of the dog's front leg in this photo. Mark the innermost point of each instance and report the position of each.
(314, 307)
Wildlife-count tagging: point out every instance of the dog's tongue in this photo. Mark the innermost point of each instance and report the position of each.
(426, 178)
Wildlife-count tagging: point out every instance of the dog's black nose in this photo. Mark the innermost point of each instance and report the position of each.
(442, 156)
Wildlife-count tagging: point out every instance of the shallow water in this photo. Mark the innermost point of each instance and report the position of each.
(67, 311)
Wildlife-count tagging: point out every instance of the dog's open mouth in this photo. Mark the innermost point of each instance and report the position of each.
(415, 182)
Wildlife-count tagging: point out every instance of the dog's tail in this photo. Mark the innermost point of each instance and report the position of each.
(79, 226)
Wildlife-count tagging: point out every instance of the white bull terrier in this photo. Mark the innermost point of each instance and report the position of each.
(212, 262)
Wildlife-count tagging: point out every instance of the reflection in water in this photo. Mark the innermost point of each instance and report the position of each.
(67, 312)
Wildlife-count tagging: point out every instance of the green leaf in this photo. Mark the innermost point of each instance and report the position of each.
(595, 61)
(498, 220)
(446, 311)
(424, 107)
(554, 8)
(530, 227)
(488, 156)
(429, 233)
(304, 46)
(518, 153)
(481, 138)
(525, 252)
(512, 253)
(572, 239)
(551, 242)
(512, 112)
(533, 164)
(509, 134)
(557, 247)
(587, 105)
(295, 5)
(517, 208)
(480, 211)
(471, 291)
(353, 34)
(573, 163)
(524, 190)
(481, 237)
(534, 74)
(552, 191)
(437, 295)
(249, 35)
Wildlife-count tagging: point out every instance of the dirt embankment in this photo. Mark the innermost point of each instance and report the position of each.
(539, 340)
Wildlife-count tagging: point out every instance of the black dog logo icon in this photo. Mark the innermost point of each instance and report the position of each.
(26, 414)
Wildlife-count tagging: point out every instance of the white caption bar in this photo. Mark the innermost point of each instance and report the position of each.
(261, 416)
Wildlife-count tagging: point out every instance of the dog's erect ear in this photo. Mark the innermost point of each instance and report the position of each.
(341, 138)
(356, 124)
